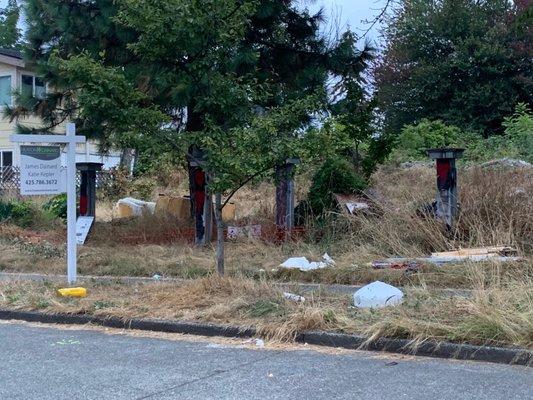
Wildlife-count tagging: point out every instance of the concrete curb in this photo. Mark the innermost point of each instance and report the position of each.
(500, 355)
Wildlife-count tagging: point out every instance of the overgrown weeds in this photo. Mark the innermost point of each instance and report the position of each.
(497, 314)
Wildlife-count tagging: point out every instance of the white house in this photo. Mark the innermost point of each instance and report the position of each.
(16, 75)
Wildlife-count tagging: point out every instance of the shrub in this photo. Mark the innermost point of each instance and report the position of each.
(335, 176)
(415, 139)
(6, 210)
(24, 214)
(143, 188)
(57, 206)
(516, 142)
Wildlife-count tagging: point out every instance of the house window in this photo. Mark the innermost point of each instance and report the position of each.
(6, 158)
(6, 162)
(5, 90)
(32, 86)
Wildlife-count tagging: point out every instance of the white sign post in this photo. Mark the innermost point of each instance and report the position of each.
(48, 183)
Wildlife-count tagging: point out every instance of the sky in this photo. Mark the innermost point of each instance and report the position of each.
(350, 13)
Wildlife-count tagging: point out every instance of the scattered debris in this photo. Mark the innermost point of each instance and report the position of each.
(416, 164)
(179, 207)
(397, 263)
(294, 297)
(377, 295)
(130, 207)
(303, 264)
(501, 253)
(352, 204)
(504, 251)
(507, 162)
(258, 342)
(327, 259)
(251, 231)
(73, 292)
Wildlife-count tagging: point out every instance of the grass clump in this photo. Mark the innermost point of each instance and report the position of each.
(498, 313)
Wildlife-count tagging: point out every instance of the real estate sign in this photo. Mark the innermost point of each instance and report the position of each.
(40, 170)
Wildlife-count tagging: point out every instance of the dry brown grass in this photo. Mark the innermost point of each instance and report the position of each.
(496, 210)
(497, 314)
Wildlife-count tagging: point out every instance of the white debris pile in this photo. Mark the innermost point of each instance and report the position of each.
(130, 207)
(303, 264)
(294, 297)
(377, 295)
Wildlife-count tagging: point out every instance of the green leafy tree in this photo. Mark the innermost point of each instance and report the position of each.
(9, 30)
(238, 79)
(465, 62)
(412, 143)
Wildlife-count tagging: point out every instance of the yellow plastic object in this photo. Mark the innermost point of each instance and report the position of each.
(73, 292)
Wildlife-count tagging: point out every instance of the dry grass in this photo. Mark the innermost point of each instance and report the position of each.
(496, 210)
(496, 314)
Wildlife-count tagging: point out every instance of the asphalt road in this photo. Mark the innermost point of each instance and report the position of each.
(44, 363)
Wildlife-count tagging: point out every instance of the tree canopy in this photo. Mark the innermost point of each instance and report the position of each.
(465, 62)
(9, 30)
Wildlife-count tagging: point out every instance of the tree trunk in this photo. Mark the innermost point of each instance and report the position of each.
(208, 217)
(220, 234)
(127, 157)
(285, 199)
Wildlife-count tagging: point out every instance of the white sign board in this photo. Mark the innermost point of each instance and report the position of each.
(83, 226)
(40, 170)
(46, 159)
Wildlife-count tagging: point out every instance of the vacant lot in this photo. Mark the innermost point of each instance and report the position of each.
(496, 209)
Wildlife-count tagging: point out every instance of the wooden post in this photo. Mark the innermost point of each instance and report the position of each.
(446, 182)
(208, 217)
(197, 185)
(220, 234)
(285, 196)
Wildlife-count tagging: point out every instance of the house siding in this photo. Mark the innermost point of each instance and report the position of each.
(8, 128)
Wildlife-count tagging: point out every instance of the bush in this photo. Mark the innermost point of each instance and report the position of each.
(335, 176)
(57, 206)
(6, 209)
(415, 139)
(21, 213)
(516, 142)
(143, 188)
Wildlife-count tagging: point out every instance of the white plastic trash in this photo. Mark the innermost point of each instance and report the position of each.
(294, 297)
(303, 264)
(377, 295)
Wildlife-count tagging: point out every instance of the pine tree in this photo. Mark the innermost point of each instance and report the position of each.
(236, 80)
(9, 31)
